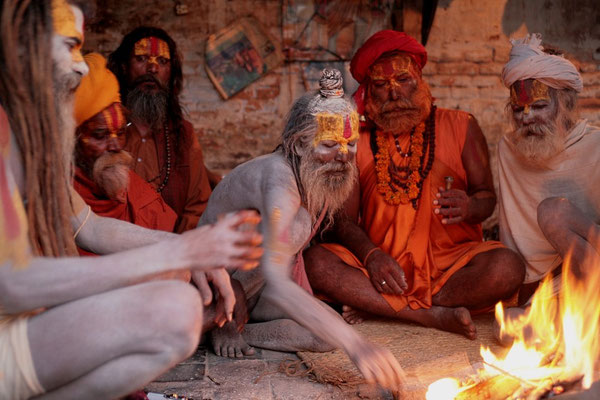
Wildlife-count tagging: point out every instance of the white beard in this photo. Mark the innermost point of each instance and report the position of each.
(322, 187)
(537, 144)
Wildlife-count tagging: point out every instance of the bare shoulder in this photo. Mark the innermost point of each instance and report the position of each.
(247, 185)
(264, 171)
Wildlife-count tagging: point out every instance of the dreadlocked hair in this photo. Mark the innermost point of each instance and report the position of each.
(26, 93)
(118, 62)
(301, 123)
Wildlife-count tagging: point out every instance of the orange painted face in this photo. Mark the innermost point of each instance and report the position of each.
(70, 25)
(390, 67)
(397, 72)
(152, 50)
(523, 94)
(103, 132)
(337, 128)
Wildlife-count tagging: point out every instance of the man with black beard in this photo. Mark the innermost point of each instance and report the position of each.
(297, 187)
(165, 150)
(103, 175)
(548, 167)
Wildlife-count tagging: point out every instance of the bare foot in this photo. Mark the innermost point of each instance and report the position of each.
(352, 316)
(228, 342)
(457, 320)
(284, 335)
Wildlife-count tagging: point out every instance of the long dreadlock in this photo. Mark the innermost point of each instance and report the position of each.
(26, 93)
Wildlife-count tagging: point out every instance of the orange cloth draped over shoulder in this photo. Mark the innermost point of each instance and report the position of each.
(144, 206)
(428, 251)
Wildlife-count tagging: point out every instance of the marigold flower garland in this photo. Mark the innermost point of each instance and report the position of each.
(393, 191)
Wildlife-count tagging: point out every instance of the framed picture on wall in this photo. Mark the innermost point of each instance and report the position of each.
(240, 54)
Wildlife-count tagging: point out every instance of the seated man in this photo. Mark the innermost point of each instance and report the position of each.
(411, 223)
(71, 327)
(103, 176)
(295, 188)
(548, 167)
(163, 144)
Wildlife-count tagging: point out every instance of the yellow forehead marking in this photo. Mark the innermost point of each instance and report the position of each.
(524, 93)
(63, 19)
(390, 67)
(65, 24)
(338, 128)
(153, 48)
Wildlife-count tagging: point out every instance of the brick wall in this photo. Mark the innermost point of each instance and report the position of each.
(468, 45)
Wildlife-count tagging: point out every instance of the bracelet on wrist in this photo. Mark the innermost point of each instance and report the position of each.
(368, 254)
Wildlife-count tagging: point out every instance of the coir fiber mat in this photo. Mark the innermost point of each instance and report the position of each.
(425, 354)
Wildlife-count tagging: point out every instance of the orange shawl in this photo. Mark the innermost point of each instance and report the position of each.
(144, 206)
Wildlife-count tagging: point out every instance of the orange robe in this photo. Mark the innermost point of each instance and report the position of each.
(188, 188)
(428, 251)
(144, 206)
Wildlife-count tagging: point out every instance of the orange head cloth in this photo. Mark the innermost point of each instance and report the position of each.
(98, 89)
(382, 42)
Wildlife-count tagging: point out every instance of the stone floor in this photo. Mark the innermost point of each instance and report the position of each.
(207, 376)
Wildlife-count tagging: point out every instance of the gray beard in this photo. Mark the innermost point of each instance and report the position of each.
(148, 108)
(111, 173)
(537, 144)
(322, 187)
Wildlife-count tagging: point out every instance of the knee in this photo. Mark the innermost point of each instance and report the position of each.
(174, 314)
(552, 213)
(507, 269)
(316, 260)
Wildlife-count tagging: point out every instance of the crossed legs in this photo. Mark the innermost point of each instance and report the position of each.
(106, 345)
(489, 277)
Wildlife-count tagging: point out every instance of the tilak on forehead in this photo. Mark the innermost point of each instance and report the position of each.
(65, 24)
(114, 118)
(390, 67)
(526, 92)
(338, 128)
(153, 48)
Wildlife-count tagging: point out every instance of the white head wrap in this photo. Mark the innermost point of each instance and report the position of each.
(528, 61)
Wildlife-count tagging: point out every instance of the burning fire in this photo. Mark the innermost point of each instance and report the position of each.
(556, 343)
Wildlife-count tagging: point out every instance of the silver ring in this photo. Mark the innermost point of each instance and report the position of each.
(383, 282)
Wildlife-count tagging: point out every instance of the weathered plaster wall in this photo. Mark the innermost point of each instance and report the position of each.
(468, 45)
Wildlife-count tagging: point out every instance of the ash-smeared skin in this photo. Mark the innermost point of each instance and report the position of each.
(267, 184)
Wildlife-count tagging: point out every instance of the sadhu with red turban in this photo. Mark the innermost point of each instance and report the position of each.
(414, 236)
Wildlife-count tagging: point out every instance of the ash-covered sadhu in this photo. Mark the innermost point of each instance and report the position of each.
(418, 252)
(296, 189)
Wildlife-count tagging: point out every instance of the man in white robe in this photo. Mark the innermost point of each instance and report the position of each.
(549, 168)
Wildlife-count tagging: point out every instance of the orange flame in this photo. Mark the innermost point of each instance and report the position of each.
(556, 339)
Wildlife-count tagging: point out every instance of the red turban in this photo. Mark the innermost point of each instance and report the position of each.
(385, 42)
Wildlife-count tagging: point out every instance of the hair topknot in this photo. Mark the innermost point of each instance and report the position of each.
(331, 83)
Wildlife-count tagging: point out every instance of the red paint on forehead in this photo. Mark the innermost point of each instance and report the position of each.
(388, 67)
(347, 128)
(522, 93)
(153, 46)
(115, 119)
